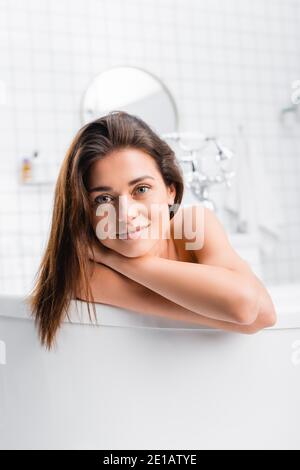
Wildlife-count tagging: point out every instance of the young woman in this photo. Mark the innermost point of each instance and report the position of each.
(119, 236)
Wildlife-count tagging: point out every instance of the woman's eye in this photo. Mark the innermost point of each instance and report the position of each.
(140, 187)
(99, 201)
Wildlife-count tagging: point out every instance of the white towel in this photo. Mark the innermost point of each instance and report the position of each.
(239, 197)
(2, 353)
(252, 197)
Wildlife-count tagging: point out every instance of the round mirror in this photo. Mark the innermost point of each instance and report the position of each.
(132, 90)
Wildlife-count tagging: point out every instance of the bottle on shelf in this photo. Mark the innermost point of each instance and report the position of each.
(33, 171)
(26, 170)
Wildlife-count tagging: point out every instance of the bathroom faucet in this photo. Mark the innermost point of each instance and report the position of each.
(197, 180)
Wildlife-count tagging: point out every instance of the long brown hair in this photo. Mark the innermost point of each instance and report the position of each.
(65, 261)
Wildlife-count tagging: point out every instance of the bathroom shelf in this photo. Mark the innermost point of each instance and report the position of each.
(38, 183)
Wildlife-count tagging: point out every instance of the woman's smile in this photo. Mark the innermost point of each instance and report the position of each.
(135, 235)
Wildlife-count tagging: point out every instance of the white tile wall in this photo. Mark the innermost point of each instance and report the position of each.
(227, 62)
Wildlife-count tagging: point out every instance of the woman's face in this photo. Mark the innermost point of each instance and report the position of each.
(127, 191)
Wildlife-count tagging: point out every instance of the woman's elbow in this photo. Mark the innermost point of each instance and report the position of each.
(256, 312)
(246, 307)
(262, 322)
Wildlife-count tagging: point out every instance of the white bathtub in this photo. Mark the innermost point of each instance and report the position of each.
(141, 382)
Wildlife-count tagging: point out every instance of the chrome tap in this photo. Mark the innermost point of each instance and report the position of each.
(197, 180)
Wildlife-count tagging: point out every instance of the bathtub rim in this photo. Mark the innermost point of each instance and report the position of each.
(288, 313)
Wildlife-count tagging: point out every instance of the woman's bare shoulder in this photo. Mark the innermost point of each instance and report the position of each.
(185, 219)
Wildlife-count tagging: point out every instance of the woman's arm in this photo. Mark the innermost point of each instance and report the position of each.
(222, 287)
(213, 291)
(112, 288)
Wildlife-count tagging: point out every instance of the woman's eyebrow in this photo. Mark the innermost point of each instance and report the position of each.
(108, 188)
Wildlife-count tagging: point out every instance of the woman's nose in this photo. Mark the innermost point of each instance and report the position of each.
(127, 210)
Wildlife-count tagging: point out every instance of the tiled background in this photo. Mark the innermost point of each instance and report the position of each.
(226, 62)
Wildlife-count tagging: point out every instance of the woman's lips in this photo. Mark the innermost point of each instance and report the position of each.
(132, 235)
